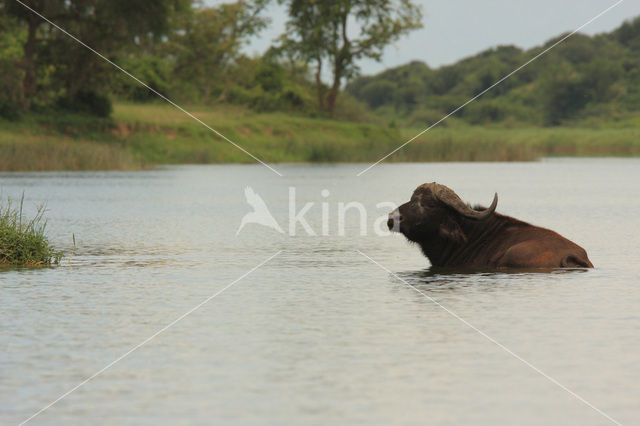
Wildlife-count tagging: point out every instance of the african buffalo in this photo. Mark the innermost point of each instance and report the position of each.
(452, 234)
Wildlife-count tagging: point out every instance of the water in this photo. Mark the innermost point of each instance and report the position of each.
(319, 334)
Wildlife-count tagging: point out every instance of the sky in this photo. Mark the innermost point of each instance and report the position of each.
(455, 29)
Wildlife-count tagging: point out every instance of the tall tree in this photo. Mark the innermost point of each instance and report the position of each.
(207, 40)
(323, 32)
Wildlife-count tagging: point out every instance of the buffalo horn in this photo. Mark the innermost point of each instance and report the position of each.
(450, 198)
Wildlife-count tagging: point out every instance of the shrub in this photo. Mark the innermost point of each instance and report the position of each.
(270, 77)
(484, 111)
(563, 93)
(152, 70)
(378, 93)
(427, 117)
(9, 110)
(88, 102)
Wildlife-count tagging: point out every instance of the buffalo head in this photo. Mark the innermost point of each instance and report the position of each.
(434, 211)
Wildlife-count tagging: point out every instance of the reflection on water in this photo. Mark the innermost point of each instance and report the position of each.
(320, 334)
(434, 274)
(457, 279)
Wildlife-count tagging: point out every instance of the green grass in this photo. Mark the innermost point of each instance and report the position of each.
(23, 242)
(139, 135)
(61, 141)
(162, 134)
(474, 143)
(25, 151)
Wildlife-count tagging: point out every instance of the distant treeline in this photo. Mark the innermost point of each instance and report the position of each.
(582, 78)
(193, 54)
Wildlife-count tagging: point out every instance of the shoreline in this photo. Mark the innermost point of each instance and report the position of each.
(140, 136)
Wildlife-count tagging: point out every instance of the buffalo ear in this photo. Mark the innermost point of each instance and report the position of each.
(450, 230)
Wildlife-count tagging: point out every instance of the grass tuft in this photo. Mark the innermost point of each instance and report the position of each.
(23, 242)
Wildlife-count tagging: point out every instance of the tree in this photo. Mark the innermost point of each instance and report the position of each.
(105, 25)
(11, 41)
(33, 23)
(628, 34)
(320, 31)
(207, 40)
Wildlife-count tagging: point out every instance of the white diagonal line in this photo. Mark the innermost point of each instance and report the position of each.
(494, 341)
(153, 90)
(492, 86)
(171, 324)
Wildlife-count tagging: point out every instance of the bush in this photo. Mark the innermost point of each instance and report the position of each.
(153, 71)
(484, 111)
(427, 117)
(88, 102)
(9, 110)
(378, 93)
(270, 77)
(563, 93)
(350, 109)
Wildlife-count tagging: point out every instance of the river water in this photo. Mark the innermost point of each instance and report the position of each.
(319, 334)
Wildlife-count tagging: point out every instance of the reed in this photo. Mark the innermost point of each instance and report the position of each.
(26, 152)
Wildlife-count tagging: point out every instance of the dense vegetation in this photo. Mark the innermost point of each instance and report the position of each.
(583, 79)
(22, 241)
(187, 52)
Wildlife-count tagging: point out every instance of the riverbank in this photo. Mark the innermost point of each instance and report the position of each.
(142, 135)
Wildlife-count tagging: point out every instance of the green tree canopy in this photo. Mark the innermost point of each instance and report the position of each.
(207, 41)
(322, 32)
(106, 25)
